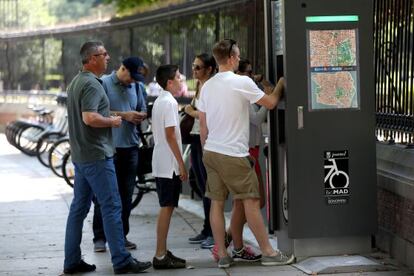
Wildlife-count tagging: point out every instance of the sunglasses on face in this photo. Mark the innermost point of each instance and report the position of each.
(197, 67)
(101, 54)
(232, 43)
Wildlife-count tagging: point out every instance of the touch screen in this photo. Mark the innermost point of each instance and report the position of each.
(333, 69)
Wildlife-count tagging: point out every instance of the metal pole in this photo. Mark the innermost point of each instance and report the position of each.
(185, 55)
(62, 62)
(43, 65)
(131, 41)
(2, 22)
(17, 12)
(217, 29)
(8, 85)
(167, 45)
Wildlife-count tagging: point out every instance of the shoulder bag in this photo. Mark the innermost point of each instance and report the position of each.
(186, 125)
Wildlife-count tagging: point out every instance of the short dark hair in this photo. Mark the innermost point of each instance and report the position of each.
(243, 63)
(223, 49)
(88, 49)
(165, 73)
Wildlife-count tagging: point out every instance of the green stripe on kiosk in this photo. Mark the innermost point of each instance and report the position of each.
(332, 18)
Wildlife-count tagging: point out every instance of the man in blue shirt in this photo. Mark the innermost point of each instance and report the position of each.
(127, 101)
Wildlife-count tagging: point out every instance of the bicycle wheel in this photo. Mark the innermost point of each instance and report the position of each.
(56, 154)
(68, 170)
(341, 180)
(143, 184)
(27, 139)
(44, 145)
(136, 196)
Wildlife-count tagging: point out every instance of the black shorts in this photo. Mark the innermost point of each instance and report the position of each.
(168, 191)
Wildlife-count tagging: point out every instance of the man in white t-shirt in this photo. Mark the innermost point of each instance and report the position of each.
(167, 162)
(224, 132)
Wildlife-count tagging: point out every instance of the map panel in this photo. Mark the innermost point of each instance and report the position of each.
(333, 69)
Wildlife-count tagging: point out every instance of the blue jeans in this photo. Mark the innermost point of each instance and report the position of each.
(126, 164)
(97, 177)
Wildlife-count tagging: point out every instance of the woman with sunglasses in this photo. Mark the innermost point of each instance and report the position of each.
(204, 67)
(257, 116)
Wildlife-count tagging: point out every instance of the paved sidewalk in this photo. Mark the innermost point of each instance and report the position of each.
(33, 210)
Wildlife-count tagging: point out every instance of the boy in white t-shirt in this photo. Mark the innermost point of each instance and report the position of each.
(167, 162)
(224, 132)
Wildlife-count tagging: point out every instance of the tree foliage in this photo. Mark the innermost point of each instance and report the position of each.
(30, 62)
(123, 5)
(34, 14)
(71, 10)
(129, 7)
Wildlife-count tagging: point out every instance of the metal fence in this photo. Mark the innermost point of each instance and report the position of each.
(176, 35)
(394, 67)
(171, 35)
(29, 98)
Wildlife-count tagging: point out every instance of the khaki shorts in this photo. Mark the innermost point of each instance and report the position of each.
(230, 174)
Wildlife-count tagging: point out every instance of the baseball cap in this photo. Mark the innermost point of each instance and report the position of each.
(133, 64)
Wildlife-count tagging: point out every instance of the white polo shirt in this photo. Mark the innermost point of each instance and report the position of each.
(165, 114)
(226, 99)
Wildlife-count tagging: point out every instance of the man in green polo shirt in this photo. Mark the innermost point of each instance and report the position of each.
(90, 138)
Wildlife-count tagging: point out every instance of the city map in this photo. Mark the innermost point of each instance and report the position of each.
(333, 69)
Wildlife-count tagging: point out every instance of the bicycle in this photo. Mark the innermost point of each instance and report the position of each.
(144, 182)
(68, 169)
(334, 172)
(57, 154)
(45, 145)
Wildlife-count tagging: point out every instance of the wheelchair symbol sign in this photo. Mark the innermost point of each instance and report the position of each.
(336, 177)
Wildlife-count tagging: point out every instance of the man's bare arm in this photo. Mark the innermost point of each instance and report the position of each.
(272, 100)
(94, 119)
(203, 127)
(172, 143)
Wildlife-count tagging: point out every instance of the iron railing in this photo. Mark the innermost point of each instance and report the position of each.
(171, 35)
(31, 98)
(186, 32)
(394, 70)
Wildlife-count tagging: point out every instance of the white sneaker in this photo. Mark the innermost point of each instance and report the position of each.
(279, 259)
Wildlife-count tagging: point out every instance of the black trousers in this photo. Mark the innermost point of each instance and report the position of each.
(201, 175)
(126, 163)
